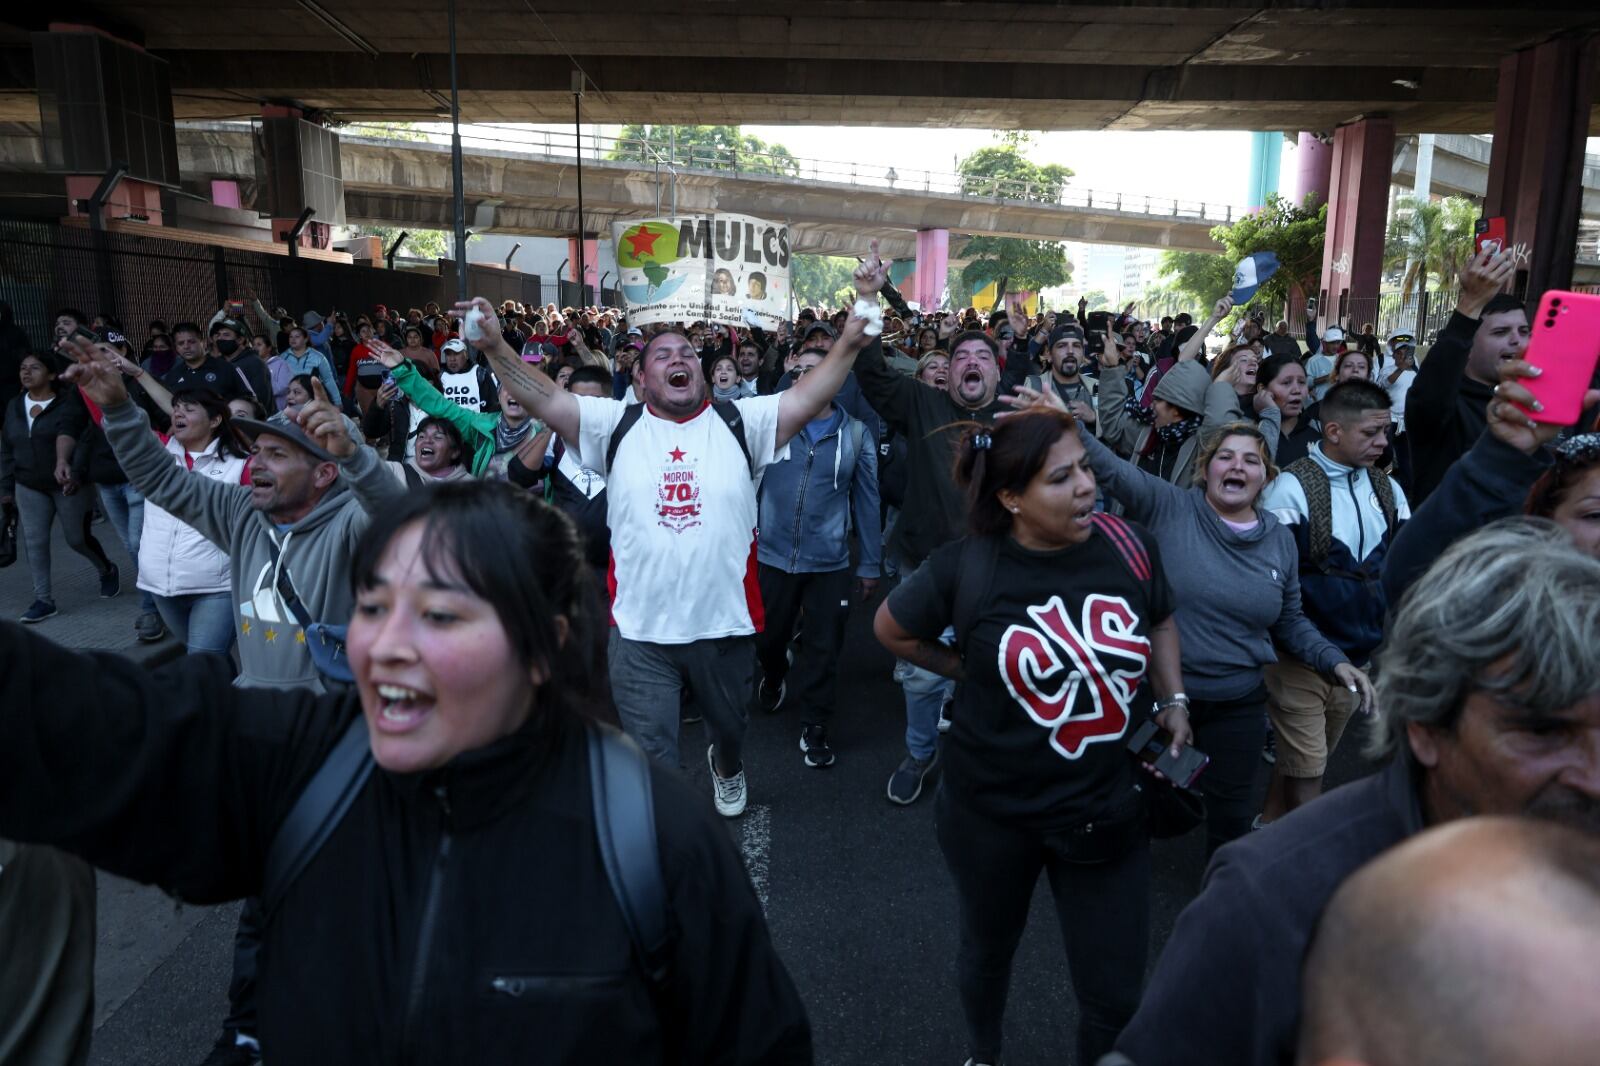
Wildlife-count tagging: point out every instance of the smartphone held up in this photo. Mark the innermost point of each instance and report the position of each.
(1564, 343)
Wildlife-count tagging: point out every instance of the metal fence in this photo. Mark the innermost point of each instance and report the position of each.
(139, 278)
(1421, 314)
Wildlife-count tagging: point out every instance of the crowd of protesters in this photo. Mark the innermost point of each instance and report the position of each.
(430, 549)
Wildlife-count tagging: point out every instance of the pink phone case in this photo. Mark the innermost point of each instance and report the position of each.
(1564, 343)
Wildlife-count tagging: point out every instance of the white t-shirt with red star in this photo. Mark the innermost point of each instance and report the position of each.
(681, 505)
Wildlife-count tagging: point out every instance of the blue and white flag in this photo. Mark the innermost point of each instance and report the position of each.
(1253, 272)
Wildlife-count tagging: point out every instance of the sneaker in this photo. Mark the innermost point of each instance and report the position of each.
(40, 610)
(814, 745)
(906, 784)
(1269, 750)
(771, 699)
(148, 628)
(229, 1051)
(729, 792)
(110, 583)
(944, 716)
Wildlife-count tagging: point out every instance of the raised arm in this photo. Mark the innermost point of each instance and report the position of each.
(1197, 343)
(359, 464)
(540, 396)
(888, 391)
(813, 392)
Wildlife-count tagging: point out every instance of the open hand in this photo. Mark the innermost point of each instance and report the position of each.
(1026, 399)
(386, 354)
(1360, 686)
(324, 423)
(1484, 275)
(95, 371)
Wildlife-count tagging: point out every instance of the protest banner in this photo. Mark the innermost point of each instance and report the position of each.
(732, 269)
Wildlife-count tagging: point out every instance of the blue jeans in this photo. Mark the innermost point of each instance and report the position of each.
(926, 693)
(125, 508)
(203, 621)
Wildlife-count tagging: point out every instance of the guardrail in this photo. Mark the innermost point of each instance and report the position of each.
(665, 155)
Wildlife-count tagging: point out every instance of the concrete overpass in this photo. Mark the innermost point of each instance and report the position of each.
(993, 64)
(531, 188)
(1461, 168)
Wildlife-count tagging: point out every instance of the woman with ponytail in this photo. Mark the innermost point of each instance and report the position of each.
(1064, 644)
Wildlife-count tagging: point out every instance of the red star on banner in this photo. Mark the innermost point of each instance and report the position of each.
(643, 241)
(677, 455)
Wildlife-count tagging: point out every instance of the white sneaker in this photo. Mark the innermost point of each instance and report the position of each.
(730, 793)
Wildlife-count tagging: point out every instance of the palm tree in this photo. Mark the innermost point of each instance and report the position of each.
(1429, 238)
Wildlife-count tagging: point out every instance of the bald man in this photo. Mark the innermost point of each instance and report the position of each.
(1473, 944)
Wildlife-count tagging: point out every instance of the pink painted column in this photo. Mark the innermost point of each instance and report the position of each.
(1358, 207)
(591, 262)
(1315, 160)
(933, 264)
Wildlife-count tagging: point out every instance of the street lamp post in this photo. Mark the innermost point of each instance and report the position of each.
(577, 148)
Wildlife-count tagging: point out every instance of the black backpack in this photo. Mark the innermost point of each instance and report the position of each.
(727, 410)
(624, 825)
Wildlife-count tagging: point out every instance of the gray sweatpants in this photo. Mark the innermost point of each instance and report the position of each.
(648, 682)
(38, 512)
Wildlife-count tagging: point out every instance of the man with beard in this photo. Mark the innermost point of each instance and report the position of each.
(1064, 356)
(1489, 703)
(680, 475)
(935, 509)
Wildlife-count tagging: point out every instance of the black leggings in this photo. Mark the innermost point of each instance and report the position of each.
(1103, 908)
(1232, 732)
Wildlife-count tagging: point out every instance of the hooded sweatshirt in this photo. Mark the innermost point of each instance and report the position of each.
(1237, 592)
(317, 550)
(1187, 386)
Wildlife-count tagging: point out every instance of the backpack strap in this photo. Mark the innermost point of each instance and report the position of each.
(316, 813)
(1383, 488)
(1319, 505)
(630, 418)
(1130, 549)
(979, 557)
(625, 829)
(726, 410)
(413, 477)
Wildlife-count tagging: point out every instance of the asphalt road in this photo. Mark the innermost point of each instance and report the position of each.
(857, 895)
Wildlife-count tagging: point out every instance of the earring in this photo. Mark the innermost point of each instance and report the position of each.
(1015, 510)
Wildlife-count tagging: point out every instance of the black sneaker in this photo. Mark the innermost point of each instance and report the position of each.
(1269, 750)
(40, 610)
(769, 698)
(148, 628)
(814, 745)
(229, 1052)
(906, 784)
(110, 583)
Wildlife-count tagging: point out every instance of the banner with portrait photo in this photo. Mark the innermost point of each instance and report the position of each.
(732, 269)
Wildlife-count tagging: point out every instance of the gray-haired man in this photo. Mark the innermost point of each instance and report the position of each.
(1489, 703)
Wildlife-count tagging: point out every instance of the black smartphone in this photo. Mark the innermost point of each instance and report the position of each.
(1311, 307)
(1152, 746)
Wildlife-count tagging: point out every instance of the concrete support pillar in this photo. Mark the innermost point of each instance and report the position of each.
(1315, 159)
(1541, 121)
(591, 262)
(933, 264)
(1352, 251)
(1266, 156)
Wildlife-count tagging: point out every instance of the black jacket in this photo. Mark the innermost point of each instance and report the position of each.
(455, 916)
(935, 510)
(1226, 991)
(30, 458)
(1488, 483)
(1446, 411)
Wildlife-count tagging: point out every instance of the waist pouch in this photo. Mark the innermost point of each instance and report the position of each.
(1109, 834)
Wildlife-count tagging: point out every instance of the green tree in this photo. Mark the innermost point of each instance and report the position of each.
(1197, 277)
(1002, 171)
(1293, 232)
(420, 243)
(819, 280)
(1098, 300)
(1428, 239)
(709, 147)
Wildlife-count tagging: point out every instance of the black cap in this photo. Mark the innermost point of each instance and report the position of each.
(1071, 329)
(819, 327)
(290, 431)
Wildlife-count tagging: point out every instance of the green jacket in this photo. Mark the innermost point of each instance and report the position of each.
(477, 427)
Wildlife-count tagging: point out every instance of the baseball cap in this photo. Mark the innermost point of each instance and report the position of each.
(819, 327)
(290, 431)
(229, 323)
(636, 332)
(1334, 335)
(1071, 329)
(1401, 340)
(454, 344)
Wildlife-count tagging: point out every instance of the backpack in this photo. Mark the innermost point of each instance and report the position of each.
(1319, 504)
(727, 410)
(980, 556)
(624, 825)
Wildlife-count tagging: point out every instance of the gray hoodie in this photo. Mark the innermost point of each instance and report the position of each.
(317, 550)
(1237, 593)
(1187, 386)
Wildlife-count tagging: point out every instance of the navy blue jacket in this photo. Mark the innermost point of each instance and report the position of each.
(807, 498)
(1226, 991)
